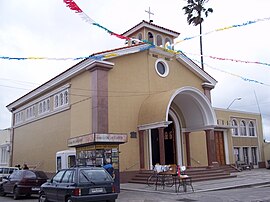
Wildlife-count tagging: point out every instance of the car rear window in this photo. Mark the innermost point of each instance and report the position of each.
(92, 175)
(29, 175)
(41, 174)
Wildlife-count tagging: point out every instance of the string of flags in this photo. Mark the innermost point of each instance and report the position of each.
(73, 6)
(224, 28)
(235, 75)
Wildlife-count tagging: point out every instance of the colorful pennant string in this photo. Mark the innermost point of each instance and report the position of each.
(224, 28)
(232, 74)
(230, 59)
(73, 6)
(168, 48)
(140, 49)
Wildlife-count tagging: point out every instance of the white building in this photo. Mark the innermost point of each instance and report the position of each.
(5, 147)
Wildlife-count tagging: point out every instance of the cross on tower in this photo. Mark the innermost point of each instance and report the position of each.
(149, 13)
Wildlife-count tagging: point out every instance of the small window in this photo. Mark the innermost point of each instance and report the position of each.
(61, 99)
(140, 36)
(150, 38)
(40, 108)
(71, 161)
(251, 129)
(167, 40)
(162, 68)
(31, 112)
(159, 40)
(58, 162)
(235, 127)
(243, 130)
(48, 104)
(66, 97)
(44, 106)
(56, 104)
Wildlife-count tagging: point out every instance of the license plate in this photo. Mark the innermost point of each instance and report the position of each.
(35, 188)
(96, 190)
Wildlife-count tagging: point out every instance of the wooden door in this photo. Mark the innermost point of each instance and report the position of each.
(219, 143)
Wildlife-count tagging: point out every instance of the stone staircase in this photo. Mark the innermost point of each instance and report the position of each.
(197, 174)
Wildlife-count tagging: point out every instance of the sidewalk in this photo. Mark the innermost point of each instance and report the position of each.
(246, 178)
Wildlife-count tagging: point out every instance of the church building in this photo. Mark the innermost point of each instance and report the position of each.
(138, 105)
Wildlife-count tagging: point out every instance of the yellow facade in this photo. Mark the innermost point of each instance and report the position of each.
(137, 100)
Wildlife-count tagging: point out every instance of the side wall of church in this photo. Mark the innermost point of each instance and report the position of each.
(81, 105)
(36, 143)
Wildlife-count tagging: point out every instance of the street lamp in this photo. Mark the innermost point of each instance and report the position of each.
(239, 98)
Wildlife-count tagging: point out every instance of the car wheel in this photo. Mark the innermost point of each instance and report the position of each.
(42, 197)
(68, 200)
(16, 193)
(110, 201)
(2, 192)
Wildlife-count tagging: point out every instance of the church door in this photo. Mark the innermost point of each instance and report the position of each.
(219, 143)
(169, 141)
(169, 144)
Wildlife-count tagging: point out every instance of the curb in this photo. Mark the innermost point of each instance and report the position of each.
(236, 186)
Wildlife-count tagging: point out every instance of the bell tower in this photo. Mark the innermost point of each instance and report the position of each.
(151, 33)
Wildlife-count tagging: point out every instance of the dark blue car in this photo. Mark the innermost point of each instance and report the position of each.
(79, 184)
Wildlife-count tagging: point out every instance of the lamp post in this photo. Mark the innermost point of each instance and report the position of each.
(239, 98)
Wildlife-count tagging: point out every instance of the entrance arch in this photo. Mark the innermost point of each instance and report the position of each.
(194, 106)
(190, 110)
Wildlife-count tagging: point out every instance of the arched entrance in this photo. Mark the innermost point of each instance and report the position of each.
(192, 112)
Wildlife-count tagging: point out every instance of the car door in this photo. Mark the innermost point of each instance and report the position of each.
(66, 185)
(51, 187)
(9, 184)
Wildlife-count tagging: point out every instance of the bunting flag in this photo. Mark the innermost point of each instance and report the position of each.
(140, 49)
(230, 59)
(224, 28)
(168, 48)
(235, 75)
(73, 6)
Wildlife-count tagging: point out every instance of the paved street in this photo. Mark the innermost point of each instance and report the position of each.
(248, 186)
(253, 194)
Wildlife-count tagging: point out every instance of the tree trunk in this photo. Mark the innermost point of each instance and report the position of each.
(201, 46)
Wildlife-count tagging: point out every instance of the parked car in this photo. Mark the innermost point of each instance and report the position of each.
(6, 171)
(22, 182)
(79, 184)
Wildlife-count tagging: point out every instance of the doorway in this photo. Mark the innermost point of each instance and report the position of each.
(220, 151)
(169, 144)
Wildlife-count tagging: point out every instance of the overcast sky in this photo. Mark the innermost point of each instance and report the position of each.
(35, 28)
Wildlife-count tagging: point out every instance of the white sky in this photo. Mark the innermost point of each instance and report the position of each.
(35, 28)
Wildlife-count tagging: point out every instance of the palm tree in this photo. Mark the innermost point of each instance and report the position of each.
(195, 9)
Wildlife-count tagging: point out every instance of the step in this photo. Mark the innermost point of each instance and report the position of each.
(197, 174)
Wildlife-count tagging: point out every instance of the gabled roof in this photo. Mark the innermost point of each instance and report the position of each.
(82, 66)
(150, 26)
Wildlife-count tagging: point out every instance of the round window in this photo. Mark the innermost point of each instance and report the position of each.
(162, 68)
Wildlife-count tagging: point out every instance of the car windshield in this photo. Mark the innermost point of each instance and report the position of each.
(93, 176)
